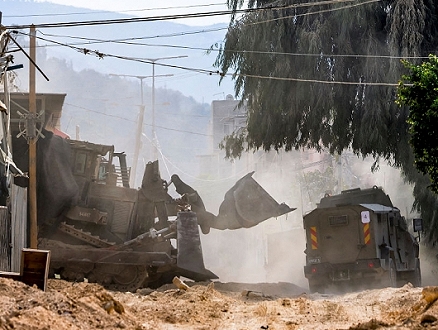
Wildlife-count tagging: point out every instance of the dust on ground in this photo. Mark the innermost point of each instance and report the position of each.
(213, 305)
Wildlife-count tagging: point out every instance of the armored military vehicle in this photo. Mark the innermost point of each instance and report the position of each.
(359, 239)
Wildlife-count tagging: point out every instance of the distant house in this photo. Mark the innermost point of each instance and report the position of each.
(226, 117)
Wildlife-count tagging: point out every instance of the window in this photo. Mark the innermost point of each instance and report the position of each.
(227, 129)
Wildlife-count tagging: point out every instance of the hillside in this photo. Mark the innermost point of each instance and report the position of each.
(123, 43)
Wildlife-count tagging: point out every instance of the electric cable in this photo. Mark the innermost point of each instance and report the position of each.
(134, 121)
(180, 16)
(211, 72)
(93, 41)
(93, 12)
(217, 72)
(125, 41)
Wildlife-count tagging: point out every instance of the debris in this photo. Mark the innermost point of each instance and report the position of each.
(109, 304)
(179, 284)
(67, 305)
(429, 296)
(427, 319)
(252, 294)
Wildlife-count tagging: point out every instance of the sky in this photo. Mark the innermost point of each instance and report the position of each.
(156, 8)
(148, 43)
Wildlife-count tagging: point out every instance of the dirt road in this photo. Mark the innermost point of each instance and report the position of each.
(213, 306)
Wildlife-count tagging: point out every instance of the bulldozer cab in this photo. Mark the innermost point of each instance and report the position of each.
(96, 163)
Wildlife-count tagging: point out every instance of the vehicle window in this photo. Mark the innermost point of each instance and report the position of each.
(80, 161)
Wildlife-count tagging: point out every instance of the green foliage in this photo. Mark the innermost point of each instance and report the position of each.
(233, 144)
(419, 90)
(295, 101)
(318, 75)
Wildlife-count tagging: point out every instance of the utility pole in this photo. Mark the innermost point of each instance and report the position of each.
(32, 145)
(139, 126)
(153, 60)
(138, 134)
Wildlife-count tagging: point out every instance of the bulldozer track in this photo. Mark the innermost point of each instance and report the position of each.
(128, 278)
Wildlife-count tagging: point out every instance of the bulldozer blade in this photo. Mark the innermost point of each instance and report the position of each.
(247, 204)
(190, 260)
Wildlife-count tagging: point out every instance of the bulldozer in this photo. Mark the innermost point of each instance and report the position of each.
(358, 239)
(100, 229)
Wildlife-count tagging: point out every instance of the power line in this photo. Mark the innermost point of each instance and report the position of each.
(181, 16)
(101, 55)
(134, 121)
(215, 29)
(124, 41)
(122, 20)
(117, 41)
(316, 12)
(212, 72)
(176, 34)
(330, 82)
(93, 12)
(183, 114)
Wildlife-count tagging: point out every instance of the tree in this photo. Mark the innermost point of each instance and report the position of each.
(323, 75)
(307, 84)
(419, 90)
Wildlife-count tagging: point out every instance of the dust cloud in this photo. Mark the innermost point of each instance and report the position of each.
(429, 265)
(273, 251)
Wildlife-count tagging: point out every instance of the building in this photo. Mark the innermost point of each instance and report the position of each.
(48, 109)
(227, 116)
(20, 123)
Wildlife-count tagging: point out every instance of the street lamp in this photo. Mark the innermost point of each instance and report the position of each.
(139, 125)
(153, 60)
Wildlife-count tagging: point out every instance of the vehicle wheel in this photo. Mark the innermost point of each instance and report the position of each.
(130, 279)
(390, 276)
(127, 275)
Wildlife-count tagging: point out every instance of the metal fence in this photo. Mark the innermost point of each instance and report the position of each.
(5, 239)
(18, 225)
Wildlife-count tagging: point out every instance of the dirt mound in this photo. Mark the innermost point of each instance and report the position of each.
(266, 290)
(64, 306)
(216, 305)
